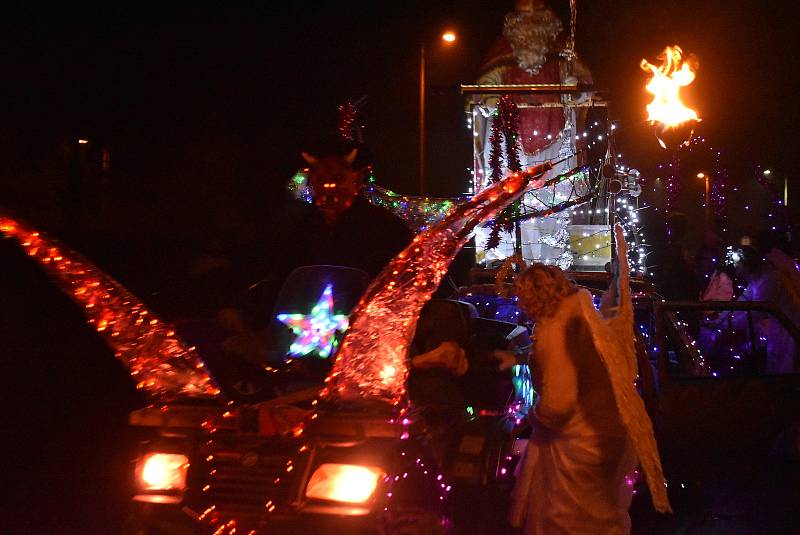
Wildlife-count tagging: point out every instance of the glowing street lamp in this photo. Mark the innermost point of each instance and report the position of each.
(702, 176)
(767, 173)
(448, 38)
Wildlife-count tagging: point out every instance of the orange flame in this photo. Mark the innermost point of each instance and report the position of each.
(665, 85)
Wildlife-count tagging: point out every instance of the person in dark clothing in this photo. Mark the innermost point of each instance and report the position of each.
(673, 274)
(342, 227)
(362, 236)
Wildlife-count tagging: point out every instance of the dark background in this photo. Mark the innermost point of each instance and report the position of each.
(204, 110)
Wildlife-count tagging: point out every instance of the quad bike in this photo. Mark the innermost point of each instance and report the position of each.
(245, 464)
(235, 441)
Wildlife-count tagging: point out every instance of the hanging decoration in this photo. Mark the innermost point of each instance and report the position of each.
(496, 150)
(371, 365)
(316, 332)
(718, 176)
(626, 212)
(672, 186)
(163, 366)
(509, 119)
(350, 129)
(299, 187)
(505, 123)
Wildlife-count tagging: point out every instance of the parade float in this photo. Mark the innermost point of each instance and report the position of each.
(533, 102)
(326, 430)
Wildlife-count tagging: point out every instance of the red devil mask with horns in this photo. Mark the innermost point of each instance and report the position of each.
(334, 182)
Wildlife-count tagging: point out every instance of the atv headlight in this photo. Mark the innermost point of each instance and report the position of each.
(348, 483)
(163, 471)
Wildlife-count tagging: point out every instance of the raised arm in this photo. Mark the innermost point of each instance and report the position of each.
(624, 270)
(619, 290)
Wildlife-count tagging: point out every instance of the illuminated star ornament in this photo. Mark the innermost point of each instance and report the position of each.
(315, 331)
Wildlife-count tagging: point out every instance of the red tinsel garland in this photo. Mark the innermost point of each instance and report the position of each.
(505, 124)
(509, 114)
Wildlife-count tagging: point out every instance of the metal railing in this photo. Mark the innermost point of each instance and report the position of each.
(666, 321)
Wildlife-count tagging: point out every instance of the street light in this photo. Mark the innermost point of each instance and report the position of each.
(448, 38)
(708, 196)
(767, 173)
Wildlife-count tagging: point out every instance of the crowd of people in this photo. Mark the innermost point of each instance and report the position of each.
(759, 268)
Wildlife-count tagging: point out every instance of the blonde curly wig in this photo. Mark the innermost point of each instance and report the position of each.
(541, 288)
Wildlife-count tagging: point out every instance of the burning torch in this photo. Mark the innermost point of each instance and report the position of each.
(673, 121)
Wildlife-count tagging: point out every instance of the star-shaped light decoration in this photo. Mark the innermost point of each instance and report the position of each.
(315, 331)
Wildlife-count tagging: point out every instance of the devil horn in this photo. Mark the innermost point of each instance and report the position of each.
(350, 158)
(310, 159)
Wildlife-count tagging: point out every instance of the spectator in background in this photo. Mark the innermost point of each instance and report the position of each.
(777, 252)
(764, 283)
(708, 258)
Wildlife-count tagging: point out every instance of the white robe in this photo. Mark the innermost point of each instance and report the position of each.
(573, 477)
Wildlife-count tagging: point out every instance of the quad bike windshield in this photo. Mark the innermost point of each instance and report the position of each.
(295, 348)
(311, 312)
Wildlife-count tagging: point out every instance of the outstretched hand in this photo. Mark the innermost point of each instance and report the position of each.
(622, 247)
(505, 359)
(449, 355)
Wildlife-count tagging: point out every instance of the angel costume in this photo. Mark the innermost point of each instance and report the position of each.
(589, 423)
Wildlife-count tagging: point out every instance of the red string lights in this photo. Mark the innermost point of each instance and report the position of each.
(160, 363)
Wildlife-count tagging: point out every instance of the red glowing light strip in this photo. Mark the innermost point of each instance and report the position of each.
(371, 364)
(162, 365)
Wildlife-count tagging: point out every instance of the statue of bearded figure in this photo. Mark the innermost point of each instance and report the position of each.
(529, 52)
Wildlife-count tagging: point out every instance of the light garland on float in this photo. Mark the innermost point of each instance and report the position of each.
(417, 212)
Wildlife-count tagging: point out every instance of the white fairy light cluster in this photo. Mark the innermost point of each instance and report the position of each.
(627, 210)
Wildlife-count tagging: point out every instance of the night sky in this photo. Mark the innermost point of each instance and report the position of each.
(205, 108)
